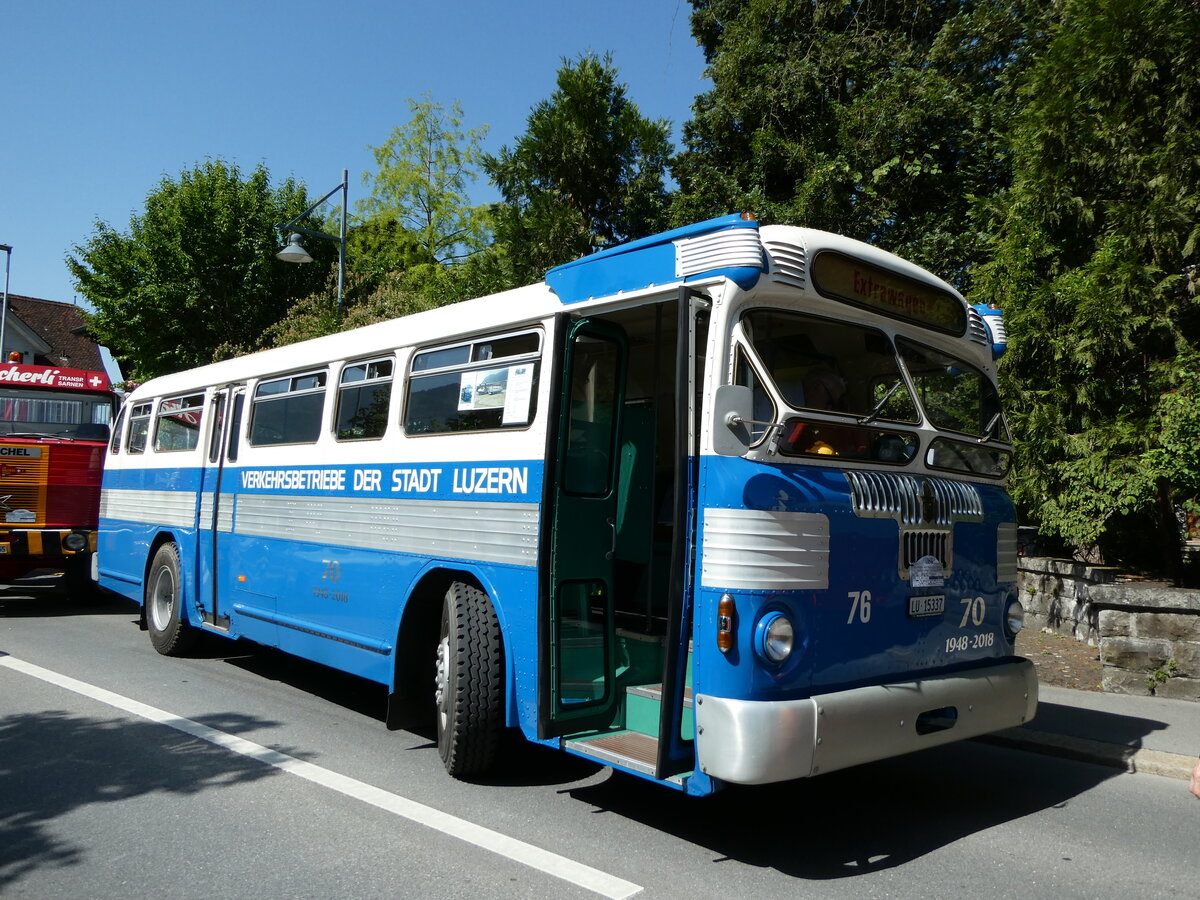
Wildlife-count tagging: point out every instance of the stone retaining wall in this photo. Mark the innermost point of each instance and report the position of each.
(1148, 635)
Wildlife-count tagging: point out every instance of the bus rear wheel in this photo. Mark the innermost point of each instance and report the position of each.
(468, 690)
(170, 632)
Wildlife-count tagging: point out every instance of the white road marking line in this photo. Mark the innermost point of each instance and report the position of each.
(527, 854)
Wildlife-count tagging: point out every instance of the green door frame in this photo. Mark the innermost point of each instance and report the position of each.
(577, 632)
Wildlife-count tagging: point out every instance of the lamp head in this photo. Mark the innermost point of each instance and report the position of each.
(294, 252)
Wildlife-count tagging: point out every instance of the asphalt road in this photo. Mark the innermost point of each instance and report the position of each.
(244, 773)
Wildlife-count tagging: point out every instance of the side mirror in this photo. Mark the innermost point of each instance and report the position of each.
(732, 410)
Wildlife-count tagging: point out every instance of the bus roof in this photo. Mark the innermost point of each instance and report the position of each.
(732, 246)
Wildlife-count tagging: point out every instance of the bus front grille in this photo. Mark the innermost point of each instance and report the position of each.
(918, 544)
(914, 500)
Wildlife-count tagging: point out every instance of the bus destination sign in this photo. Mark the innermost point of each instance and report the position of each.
(841, 277)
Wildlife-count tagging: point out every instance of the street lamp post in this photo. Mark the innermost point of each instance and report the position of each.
(294, 251)
(4, 303)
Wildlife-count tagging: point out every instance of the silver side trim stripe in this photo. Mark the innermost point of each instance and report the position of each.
(225, 517)
(176, 509)
(750, 549)
(482, 532)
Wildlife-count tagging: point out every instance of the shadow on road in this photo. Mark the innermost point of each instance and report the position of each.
(54, 763)
(47, 598)
(860, 820)
(519, 762)
(835, 826)
(840, 825)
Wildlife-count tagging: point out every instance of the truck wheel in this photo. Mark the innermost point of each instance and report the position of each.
(170, 632)
(469, 684)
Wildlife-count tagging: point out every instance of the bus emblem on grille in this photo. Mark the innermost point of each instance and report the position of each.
(929, 504)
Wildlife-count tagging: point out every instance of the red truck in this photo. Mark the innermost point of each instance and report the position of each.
(53, 436)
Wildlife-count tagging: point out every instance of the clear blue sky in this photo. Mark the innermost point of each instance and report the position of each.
(98, 101)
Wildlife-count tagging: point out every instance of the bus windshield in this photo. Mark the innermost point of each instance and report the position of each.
(54, 414)
(956, 396)
(829, 366)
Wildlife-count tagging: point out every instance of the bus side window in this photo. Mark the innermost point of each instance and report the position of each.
(288, 410)
(178, 426)
(490, 384)
(218, 420)
(115, 446)
(235, 428)
(363, 398)
(139, 427)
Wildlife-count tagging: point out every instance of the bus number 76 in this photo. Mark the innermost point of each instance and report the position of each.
(860, 604)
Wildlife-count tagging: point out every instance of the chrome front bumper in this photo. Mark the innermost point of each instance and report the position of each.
(759, 742)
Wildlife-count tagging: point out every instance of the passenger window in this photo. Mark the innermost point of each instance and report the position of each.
(288, 410)
(364, 395)
(139, 427)
(115, 445)
(178, 425)
(218, 422)
(486, 384)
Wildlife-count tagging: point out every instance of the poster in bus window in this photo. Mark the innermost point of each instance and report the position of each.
(482, 390)
(519, 394)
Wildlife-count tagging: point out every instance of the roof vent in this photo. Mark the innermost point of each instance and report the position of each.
(731, 248)
(976, 330)
(789, 263)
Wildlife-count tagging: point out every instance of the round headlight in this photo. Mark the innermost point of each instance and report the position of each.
(74, 541)
(1015, 617)
(775, 637)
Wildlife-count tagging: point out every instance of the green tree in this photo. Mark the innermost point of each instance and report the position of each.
(588, 173)
(426, 168)
(379, 294)
(1092, 266)
(377, 299)
(879, 120)
(195, 277)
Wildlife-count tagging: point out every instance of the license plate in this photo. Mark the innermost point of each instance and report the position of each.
(927, 606)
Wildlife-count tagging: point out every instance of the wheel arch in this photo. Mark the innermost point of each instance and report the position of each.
(409, 700)
(162, 537)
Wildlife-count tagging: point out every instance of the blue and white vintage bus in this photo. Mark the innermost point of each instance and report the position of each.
(722, 505)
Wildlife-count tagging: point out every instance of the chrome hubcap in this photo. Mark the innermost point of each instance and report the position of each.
(442, 680)
(162, 598)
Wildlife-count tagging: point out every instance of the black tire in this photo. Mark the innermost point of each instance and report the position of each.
(469, 682)
(170, 632)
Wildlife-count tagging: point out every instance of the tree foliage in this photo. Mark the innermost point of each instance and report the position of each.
(426, 168)
(588, 173)
(195, 277)
(375, 300)
(877, 119)
(376, 295)
(1092, 265)
(419, 242)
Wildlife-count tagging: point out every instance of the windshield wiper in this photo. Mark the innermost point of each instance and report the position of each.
(878, 408)
(987, 430)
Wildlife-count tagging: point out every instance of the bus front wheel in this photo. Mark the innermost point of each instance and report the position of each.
(469, 682)
(170, 632)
